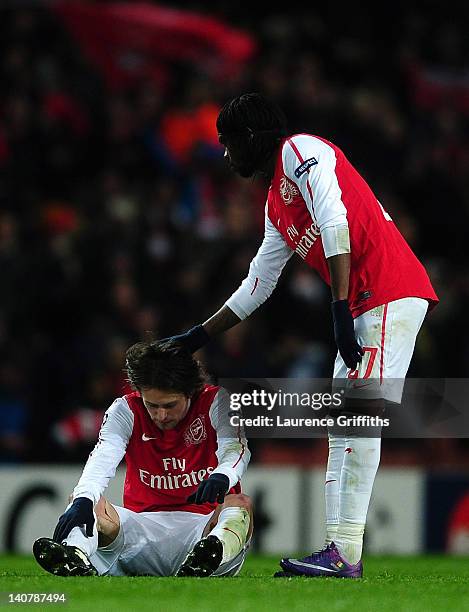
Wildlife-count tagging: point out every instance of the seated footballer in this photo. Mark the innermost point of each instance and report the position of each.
(183, 512)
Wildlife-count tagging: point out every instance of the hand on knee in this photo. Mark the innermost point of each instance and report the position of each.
(107, 522)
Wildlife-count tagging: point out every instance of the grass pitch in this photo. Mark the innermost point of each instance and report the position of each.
(405, 584)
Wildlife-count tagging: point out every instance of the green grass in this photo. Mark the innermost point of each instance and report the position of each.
(404, 584)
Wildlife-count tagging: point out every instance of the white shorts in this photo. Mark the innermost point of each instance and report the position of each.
(156, 544)
(388, 334)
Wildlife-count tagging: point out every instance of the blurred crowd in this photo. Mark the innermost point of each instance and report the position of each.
(120, 220)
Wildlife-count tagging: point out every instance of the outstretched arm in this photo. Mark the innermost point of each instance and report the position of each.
(221, 321)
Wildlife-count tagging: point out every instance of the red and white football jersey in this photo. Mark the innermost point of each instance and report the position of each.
(315, 187)
(165, 467)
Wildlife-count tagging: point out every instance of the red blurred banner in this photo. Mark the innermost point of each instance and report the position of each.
(133, 41)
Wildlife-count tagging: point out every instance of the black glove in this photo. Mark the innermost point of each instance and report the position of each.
(344, 333)
(193, 340)
(80, 513)
(214, 488)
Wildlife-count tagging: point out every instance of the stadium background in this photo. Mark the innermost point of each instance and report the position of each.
(119, 216)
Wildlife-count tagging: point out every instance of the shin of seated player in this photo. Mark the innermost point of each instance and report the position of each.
(232, 524)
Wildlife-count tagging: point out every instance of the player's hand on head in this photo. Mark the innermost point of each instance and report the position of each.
(193, 339)
(79, 514)
(214, 488)
(344, 334)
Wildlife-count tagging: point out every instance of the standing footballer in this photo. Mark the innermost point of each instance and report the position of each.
(319, 207)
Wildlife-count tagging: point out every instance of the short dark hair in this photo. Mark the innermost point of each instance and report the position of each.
(165, 365)
(254, 117)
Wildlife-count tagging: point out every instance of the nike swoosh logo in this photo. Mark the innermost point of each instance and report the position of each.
(145, 438)
(361, 386)
(319, 567)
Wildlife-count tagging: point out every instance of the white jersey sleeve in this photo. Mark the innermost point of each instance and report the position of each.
(311, 164)
(233, 453)
(264, 272)
(110, 448)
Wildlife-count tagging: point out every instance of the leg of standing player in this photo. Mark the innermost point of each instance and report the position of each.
(388, 334)
(332, 484)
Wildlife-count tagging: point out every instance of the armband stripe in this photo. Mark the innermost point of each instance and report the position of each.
(255, 285)
(301, 160)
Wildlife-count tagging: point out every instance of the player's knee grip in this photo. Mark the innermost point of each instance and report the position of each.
(107, 518)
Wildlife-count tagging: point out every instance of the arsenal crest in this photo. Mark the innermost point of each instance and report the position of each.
(196, 432)
(288, 190)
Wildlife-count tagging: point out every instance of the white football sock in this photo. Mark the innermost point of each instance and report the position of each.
(332, 483)
(77, 537)
(361, 460)
(232, 530)
(349, 541)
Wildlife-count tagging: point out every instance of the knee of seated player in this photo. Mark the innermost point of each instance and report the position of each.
(107, 522)
(238, 500)
(234, 500)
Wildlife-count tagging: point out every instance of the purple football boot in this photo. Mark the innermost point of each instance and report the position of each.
(326, 562)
